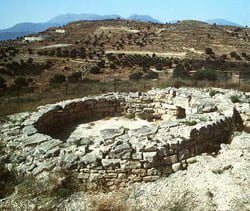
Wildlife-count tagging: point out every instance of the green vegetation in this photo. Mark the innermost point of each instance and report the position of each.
(2, 83)
(235, 99)
(21, 82)
(212, 93)
(180, 72)
(209, 51)
(207, 74)
(58, 79)
(135, 76)
(190, 123)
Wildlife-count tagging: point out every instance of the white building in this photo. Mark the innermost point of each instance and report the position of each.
(60, 31)
(33, 39)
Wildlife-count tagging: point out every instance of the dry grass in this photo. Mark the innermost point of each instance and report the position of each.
(23, 101)
(116, 201)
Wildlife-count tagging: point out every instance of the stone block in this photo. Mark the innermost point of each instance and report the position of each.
(171, 159)
(150, 178)
(176, 167)
(130, 165)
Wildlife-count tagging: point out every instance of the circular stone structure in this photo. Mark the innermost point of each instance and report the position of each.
(117, 138)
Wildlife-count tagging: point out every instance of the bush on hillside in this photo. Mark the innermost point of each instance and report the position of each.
(135, 76)
(58, 78)
(21, 82)
(2, 83)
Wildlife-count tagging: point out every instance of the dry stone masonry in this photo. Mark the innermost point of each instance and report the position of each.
(170, 127)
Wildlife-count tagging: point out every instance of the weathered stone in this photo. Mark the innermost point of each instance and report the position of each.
(52, 152)
(29, 130)
(130, 164)
(74, 141)
(44, 166)
(125, 154)
(145, 130)
(150, 178)
(150, 156)
(113, 163)
(91, 158)
(137, 156)
(35, 140)
(111, 133)
(176, 167)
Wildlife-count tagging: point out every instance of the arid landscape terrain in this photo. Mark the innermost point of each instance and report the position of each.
(126, 115)
(93, 57)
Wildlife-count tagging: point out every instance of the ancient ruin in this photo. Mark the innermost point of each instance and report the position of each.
(119, 138)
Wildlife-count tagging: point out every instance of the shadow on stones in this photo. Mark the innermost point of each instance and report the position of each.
(63, 132)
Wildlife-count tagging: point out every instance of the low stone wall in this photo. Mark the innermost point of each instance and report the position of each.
(185, 123)
(60, 119)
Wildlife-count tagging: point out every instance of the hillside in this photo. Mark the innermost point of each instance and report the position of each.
(87, 52)
(23, 29)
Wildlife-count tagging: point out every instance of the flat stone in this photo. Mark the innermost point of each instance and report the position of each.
(130, 165)
(48, 145)
(143, 131)
(29, 130)
(35, 139)
(111, 133)
(176, 167)
(150, 156)
(113, 163)
(91, 158)
(44, 166)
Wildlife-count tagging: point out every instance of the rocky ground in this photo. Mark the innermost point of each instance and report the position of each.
(210, 183)
(215, 181)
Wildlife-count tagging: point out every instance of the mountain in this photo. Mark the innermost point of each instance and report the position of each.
(222, 22)
(23, 29)
(12, 35)
(145, 18)
(67, 18)
(26, 28)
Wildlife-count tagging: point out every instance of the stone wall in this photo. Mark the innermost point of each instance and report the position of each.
(185, 123)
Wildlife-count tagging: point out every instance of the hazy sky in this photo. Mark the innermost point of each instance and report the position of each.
(16, 11)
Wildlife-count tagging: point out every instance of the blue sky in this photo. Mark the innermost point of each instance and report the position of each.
(16, 11)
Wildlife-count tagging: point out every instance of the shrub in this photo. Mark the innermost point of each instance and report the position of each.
(212, 93)
(129, 115)
(199, 75)
(151, 75)
(190, 123)
(209, 51)
(135, 76)
(2, 83)
(58, 78)
(235, 55)
(180, 72)
(243, 54)
(21, 82)
(74, 77)
(30, 61)
(208, 74)
(235, 99)
(95, 70)
(211, 75)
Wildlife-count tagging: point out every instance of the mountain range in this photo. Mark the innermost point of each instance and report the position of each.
(23, 29)
(223, 22)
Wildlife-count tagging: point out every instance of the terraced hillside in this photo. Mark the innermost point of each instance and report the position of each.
(112, 50)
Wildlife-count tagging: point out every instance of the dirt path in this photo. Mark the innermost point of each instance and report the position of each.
(165, 54)
(55, 46)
